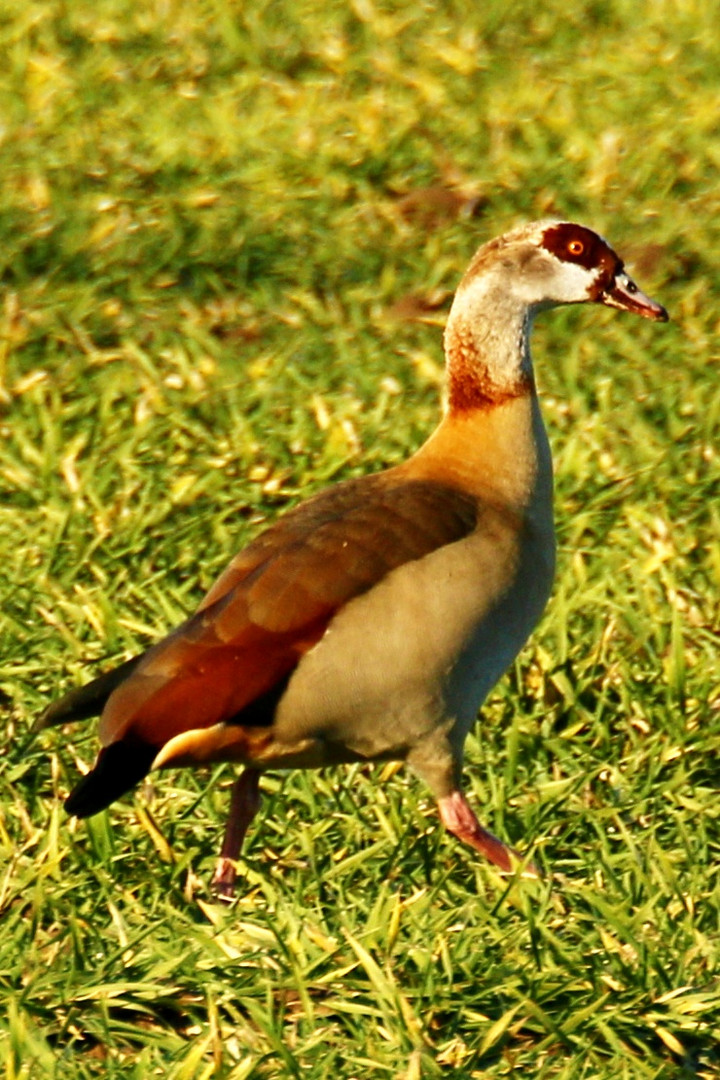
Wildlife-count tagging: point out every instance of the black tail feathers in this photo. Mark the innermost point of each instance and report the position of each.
(87, 700)
(119, 768)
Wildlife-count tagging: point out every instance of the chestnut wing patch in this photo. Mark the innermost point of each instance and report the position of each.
(276, 599)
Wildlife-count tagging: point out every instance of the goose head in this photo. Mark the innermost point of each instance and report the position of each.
(509, 281)
(548, 263)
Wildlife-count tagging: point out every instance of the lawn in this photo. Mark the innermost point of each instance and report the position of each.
(229, 235)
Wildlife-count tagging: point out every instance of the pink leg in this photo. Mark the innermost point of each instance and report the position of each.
(459, 818)
(244, 805)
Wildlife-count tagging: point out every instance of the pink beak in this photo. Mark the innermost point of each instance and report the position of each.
(624, 294)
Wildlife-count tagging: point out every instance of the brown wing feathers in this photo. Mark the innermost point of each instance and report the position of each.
(275, 600)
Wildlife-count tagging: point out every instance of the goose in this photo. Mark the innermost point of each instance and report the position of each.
(369, 622)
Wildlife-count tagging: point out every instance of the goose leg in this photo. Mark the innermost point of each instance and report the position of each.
(459, 818)
(244, 805)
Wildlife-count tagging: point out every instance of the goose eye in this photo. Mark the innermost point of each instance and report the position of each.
(575, 247)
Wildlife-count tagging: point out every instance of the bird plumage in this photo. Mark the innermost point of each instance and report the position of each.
(369, 622)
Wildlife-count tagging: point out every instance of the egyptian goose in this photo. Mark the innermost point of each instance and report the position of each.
(369, 622)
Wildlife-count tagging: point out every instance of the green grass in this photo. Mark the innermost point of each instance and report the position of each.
(206, 249)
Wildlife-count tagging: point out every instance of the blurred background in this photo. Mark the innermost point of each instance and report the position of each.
(229, 237)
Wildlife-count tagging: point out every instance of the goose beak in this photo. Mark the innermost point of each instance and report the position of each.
(624, 294)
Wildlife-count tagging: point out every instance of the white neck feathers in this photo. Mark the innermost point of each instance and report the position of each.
(487, 346)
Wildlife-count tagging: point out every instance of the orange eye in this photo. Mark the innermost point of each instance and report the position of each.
(575, 247)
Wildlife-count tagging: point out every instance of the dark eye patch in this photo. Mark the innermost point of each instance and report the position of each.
(575, 244)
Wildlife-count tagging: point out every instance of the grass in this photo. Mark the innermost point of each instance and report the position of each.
(218, 222)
